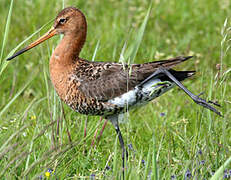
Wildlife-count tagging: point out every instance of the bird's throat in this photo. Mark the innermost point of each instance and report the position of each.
(68, 50)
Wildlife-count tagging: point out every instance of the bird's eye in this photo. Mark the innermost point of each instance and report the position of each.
(62, 20)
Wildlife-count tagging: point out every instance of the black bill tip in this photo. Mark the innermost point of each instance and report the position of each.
(17, 53)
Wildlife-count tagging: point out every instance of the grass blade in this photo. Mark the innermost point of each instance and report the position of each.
(115, 161)
(220, 172)
(6, 32)
(96, 49)
(18, 93)
(147, 164)
(5, 63)
(154, 164)
(12, 136)
(132, 51)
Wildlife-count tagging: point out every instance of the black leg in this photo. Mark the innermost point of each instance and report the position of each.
(194, 97)
(114, 121)
(124, 150)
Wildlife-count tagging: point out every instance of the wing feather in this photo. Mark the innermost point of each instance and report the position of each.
(109, 80)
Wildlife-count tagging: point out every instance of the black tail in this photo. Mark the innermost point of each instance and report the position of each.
(179, 75)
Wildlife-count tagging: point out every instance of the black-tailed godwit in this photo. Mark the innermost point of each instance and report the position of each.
(105, 88)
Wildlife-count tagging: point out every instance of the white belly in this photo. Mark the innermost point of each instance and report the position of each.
(138, 96)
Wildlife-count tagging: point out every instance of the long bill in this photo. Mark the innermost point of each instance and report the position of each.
(46, 36)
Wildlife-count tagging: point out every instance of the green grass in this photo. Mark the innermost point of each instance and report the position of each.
(36, 133)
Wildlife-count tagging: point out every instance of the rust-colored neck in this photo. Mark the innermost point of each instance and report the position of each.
(67, 52)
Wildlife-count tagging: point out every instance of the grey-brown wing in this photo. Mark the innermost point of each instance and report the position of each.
(109, 80)
(111, 83)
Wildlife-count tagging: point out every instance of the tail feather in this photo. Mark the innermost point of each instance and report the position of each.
(181, 75)
(146, 70)
(168, 63)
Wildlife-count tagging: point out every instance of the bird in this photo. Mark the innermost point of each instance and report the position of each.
(106, 89)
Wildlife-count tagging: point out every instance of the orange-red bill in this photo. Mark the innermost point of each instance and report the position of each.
(46, 36)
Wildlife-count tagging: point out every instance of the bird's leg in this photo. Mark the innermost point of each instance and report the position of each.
(115, 122)
(194, 97)
(124, 150)
(101, 132)
(95, 134)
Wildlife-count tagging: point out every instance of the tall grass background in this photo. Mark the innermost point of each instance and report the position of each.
(170, 138)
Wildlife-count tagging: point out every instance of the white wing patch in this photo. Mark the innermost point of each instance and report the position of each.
(126, 98)
(150, 90)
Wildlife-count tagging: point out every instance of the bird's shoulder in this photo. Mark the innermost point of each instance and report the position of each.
(90, 70)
